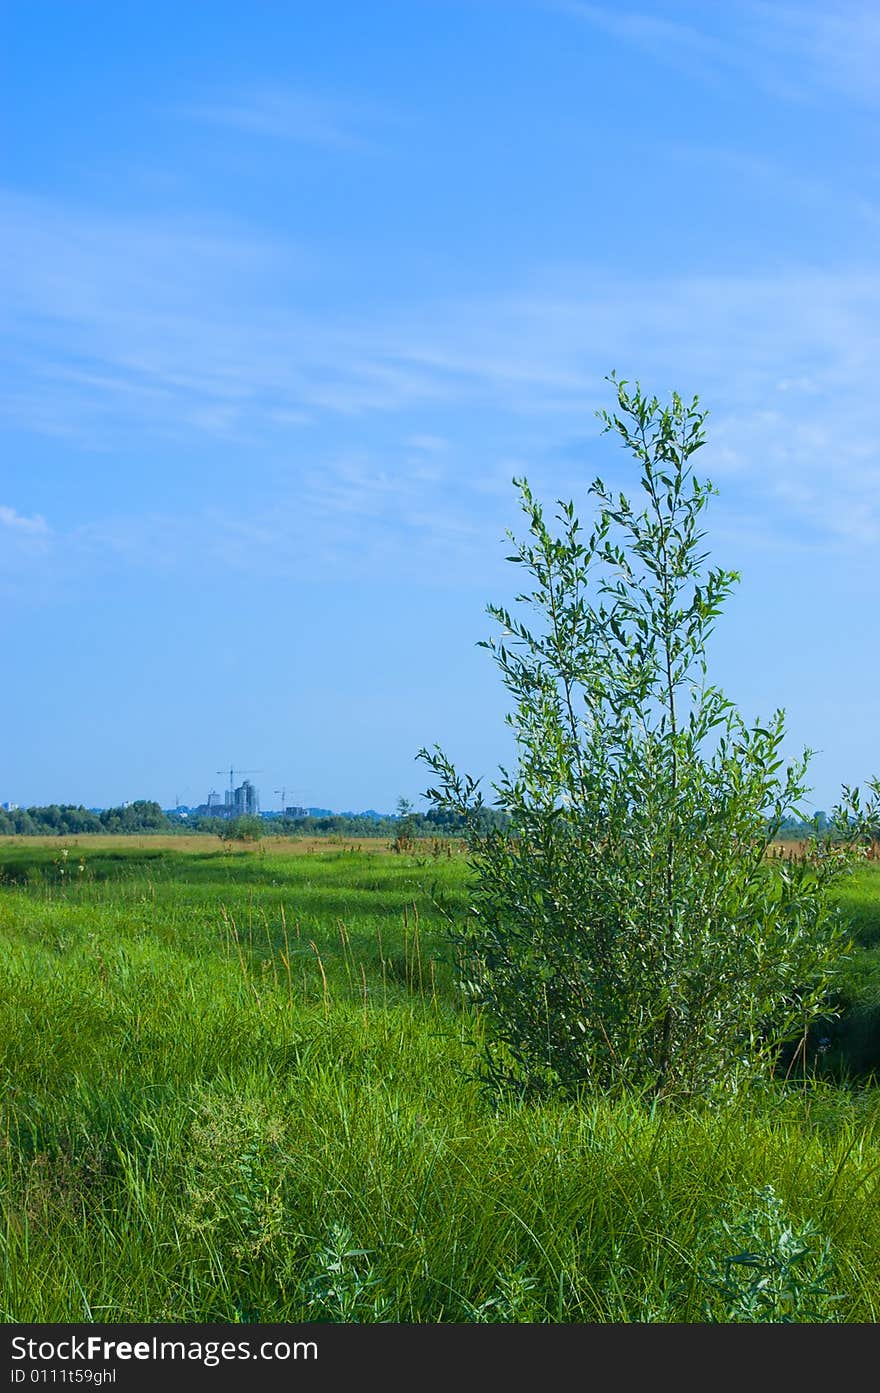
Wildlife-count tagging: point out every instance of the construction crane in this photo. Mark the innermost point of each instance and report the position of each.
(282, 793)
(232, 774)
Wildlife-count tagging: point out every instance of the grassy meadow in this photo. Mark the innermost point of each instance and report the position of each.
(236, 1087)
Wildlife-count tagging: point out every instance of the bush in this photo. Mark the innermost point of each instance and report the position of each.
(627, 928)
(241, 829)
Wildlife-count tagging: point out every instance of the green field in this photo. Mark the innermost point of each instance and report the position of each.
(236, 1087)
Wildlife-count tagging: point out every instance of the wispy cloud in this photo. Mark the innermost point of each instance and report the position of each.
(348, 517)
(659, 34)
(794, 52)
(772, 178)
(26, 542)
(836, 47)
(35, 526)
(176, 331)
(282, 114)
(430, 444)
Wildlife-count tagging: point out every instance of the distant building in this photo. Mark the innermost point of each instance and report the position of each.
(243, 801)
(246, 801)
(296, 812)
(9, 807)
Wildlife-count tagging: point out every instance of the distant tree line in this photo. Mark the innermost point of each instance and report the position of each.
(144, 816)
(67, 820)
(410, 824)
(795, 829)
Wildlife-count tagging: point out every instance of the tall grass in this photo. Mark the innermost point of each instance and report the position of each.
(236, 1087)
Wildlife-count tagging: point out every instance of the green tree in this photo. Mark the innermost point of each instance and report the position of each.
(240, 829)
(143, 815)
(405, 826)
(626, 927)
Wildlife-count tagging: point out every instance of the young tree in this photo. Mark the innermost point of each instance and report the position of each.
(405, 817)
(627, 928)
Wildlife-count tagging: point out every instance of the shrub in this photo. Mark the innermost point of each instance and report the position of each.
(241, 829)
(777, 1273)
(627, 928)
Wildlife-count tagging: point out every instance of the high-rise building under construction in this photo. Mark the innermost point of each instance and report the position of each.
(244, 801)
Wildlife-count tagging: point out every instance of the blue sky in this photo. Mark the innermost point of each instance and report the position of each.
(291, 291)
